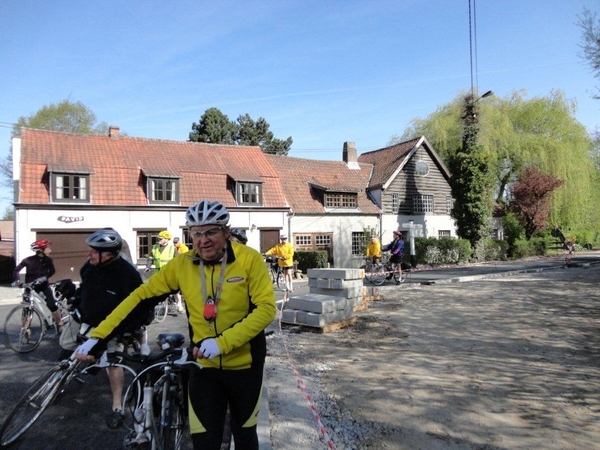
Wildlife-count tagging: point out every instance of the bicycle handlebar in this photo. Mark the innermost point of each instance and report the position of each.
(178, 356)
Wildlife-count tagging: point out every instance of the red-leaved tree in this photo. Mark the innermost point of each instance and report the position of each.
(530, 198)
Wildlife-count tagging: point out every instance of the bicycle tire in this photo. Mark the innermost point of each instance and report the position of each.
(160, 311)
(20, 338)
(172, 421)
(369, 268)
(35, 401)
(280, 278)
(399, 278)
(378, 275)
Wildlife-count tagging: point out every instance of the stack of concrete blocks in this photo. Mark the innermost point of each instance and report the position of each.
(334, 296)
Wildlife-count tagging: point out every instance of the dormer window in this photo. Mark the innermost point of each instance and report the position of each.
(339, 200)
(70, 188)
(249, 193)
(163, 190)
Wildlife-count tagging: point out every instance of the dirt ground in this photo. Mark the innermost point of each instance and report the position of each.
(504, 363)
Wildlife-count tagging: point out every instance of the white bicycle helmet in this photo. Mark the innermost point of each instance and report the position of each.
(206, 213)
(105, 240)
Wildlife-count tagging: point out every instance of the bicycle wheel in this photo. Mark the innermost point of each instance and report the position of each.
(161, 310)
(280, 278)
(171, 421)
(23, 329)
(369, 269)
(32, 404)
(399, 278)
(378, 274)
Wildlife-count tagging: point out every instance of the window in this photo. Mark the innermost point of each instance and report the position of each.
(303, 240)
(322, 239)
(249, 194)
(145, 241)
(163, 190)
(358, 243)
(422, 203)
(443, 234)
(449, 204)
(335, 200)
(70, 188)
(421, 168)
(395, 202)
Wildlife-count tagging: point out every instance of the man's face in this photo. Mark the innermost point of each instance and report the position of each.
(209, 241)
(162, 241)
(96, 257)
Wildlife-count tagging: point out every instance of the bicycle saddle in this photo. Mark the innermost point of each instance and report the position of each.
(173, 340)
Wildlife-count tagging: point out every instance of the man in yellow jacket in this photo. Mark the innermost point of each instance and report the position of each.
(374, 249)
(161, 253)
(230, 301)
(285, 254)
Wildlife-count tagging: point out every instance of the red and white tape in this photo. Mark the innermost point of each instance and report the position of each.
(322, 430)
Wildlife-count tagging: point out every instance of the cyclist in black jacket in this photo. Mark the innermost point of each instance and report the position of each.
(106, 280)
(40, 267)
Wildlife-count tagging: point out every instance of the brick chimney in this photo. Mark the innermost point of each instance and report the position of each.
(349, 155)
(113, 131)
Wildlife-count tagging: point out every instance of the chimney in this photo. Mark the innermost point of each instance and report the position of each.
(113, 131)
(349, 155)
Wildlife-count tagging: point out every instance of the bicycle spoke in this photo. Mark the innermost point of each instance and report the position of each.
(32, 405)
(23, 329)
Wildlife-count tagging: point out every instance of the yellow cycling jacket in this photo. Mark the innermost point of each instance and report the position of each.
(246, 307)
(286, 250)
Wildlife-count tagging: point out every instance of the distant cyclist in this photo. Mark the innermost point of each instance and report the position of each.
(396, 248)
(238, 235)
(285, 258)
(161, 253)
(374, 249)
(180, 247)
(40, 267)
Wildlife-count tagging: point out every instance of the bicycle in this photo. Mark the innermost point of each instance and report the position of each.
(159, 409)
(384, 270)
(27, 323)
(49, 386)
(275, 270)
(166, 307)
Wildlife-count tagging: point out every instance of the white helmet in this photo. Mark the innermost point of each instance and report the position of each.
(206, 213)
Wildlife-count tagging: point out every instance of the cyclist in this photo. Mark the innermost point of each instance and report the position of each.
(161, 253)
(396, 248)
(180, 247)
(374, 249)
(285, 255)
(237, 235)
(230, 302)
(106, 280)
(40, 267)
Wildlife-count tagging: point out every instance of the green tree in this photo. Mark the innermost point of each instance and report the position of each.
(590, 41)
(530, 198)
(64, 116)
(471, 182)
(215, 127)
(515, 131)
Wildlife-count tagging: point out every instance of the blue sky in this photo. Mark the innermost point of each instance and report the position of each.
(322, 72)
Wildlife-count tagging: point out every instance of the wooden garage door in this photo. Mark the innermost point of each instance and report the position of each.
(69, 253)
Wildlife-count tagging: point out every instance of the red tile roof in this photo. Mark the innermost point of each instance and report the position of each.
(303, 178)
(117, 166)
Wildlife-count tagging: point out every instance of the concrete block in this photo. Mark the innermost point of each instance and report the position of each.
(357, 291)
(320, 320)
(338, 274)
(316, 303)
(289, 315)
(333, 283)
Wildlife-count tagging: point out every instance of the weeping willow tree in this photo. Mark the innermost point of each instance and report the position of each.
(516, 132)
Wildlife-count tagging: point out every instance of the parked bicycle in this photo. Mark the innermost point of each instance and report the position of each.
(49, 386)
(157, 397)
(378, 273)
(27, 323)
